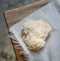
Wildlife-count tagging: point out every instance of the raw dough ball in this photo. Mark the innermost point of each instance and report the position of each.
(34, 33)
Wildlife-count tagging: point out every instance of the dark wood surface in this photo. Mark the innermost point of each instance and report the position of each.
(14, 15)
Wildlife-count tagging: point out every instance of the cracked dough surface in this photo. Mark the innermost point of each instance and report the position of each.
(34, 33)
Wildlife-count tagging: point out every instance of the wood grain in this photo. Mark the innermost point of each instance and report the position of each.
(14, 15)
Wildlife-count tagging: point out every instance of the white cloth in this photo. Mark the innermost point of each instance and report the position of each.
(51, 51)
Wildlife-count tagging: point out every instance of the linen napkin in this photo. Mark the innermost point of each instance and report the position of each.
(51, 51)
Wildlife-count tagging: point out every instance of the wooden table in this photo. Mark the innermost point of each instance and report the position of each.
(14, 15)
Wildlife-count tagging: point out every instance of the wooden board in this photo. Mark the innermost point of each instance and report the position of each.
(14, 15)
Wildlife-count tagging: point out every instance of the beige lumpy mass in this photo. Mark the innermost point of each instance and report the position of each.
(34, 33)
